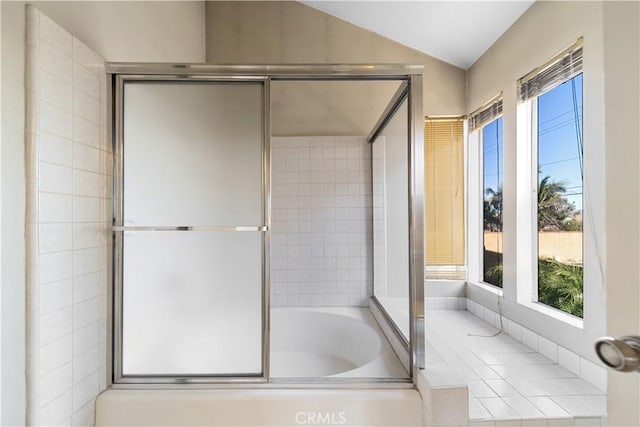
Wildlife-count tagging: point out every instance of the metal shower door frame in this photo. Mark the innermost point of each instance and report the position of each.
(118, 229)
(119, 73)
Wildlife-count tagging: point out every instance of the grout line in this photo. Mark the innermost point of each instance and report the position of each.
(53, 47)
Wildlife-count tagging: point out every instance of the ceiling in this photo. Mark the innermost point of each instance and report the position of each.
(458, 32)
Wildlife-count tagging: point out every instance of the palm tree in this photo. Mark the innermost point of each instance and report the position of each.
(560, 284)
(493, 209)
(553, 207)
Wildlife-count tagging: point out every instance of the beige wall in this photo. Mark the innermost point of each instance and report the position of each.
(13, 192)
(290, 32)
(328, 108)
(132, 31)
(622, 134)
(149, 31)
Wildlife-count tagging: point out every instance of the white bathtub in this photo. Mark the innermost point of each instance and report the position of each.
(335, 342)
(330, 342)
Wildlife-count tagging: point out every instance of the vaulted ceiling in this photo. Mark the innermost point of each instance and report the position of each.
(458, 32)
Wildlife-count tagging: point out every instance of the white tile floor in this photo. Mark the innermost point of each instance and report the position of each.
(510, 384)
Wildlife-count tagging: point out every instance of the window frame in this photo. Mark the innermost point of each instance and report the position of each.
(475, 196)
(534, 106)
(481, 168)
(527, 233)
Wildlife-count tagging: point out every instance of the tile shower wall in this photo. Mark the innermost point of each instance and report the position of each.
(321, 250)
(68, 196)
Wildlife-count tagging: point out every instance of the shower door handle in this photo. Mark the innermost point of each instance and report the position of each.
(241, 228)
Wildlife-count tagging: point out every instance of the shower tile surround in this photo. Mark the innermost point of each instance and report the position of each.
(68, 197)
(321, 243)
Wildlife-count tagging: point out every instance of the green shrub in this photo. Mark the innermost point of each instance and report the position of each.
(494, 275)
(559, 284)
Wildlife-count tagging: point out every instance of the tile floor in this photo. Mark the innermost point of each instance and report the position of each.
(510, 384)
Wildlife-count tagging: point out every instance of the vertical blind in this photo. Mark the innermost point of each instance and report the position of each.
(444, 192)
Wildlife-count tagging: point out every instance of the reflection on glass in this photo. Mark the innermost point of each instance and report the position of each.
(560, 275)
(492, 202)
(391, 219)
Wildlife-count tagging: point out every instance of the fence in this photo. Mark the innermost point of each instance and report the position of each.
(563, 246)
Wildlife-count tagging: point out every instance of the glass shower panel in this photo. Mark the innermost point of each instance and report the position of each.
(390, 159)
(193, 153)
(192, 303)
(192, 299)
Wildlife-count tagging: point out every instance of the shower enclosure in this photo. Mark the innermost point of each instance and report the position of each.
(191, 219)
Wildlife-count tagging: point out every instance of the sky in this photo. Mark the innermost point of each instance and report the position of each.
(493, 154)
(558, 142)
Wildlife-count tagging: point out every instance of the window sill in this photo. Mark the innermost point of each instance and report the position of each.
(545, 310)
(487, 287)
(555, 314)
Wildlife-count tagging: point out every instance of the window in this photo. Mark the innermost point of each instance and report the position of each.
(555, 98)
(486, 127)
(560, 277)
(492, 173)
(444, 198)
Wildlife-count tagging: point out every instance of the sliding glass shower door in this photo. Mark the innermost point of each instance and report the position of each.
(396, 168)
(191, 230)
(391, 257)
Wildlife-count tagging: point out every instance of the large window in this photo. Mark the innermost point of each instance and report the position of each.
(559, 128)
(553, 96)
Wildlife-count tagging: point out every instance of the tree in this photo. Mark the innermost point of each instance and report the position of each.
(554, 210)
(573, 224)
(560, 285)
(493, 209)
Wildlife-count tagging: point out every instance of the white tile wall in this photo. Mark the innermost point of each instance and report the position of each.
(67, 201)
(445, 303)
(548, 348)
(321, 221)
(569, 360)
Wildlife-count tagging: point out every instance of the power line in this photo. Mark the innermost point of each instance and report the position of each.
(557, 161)
(558, 116)
(556, 127)
(577, 121)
